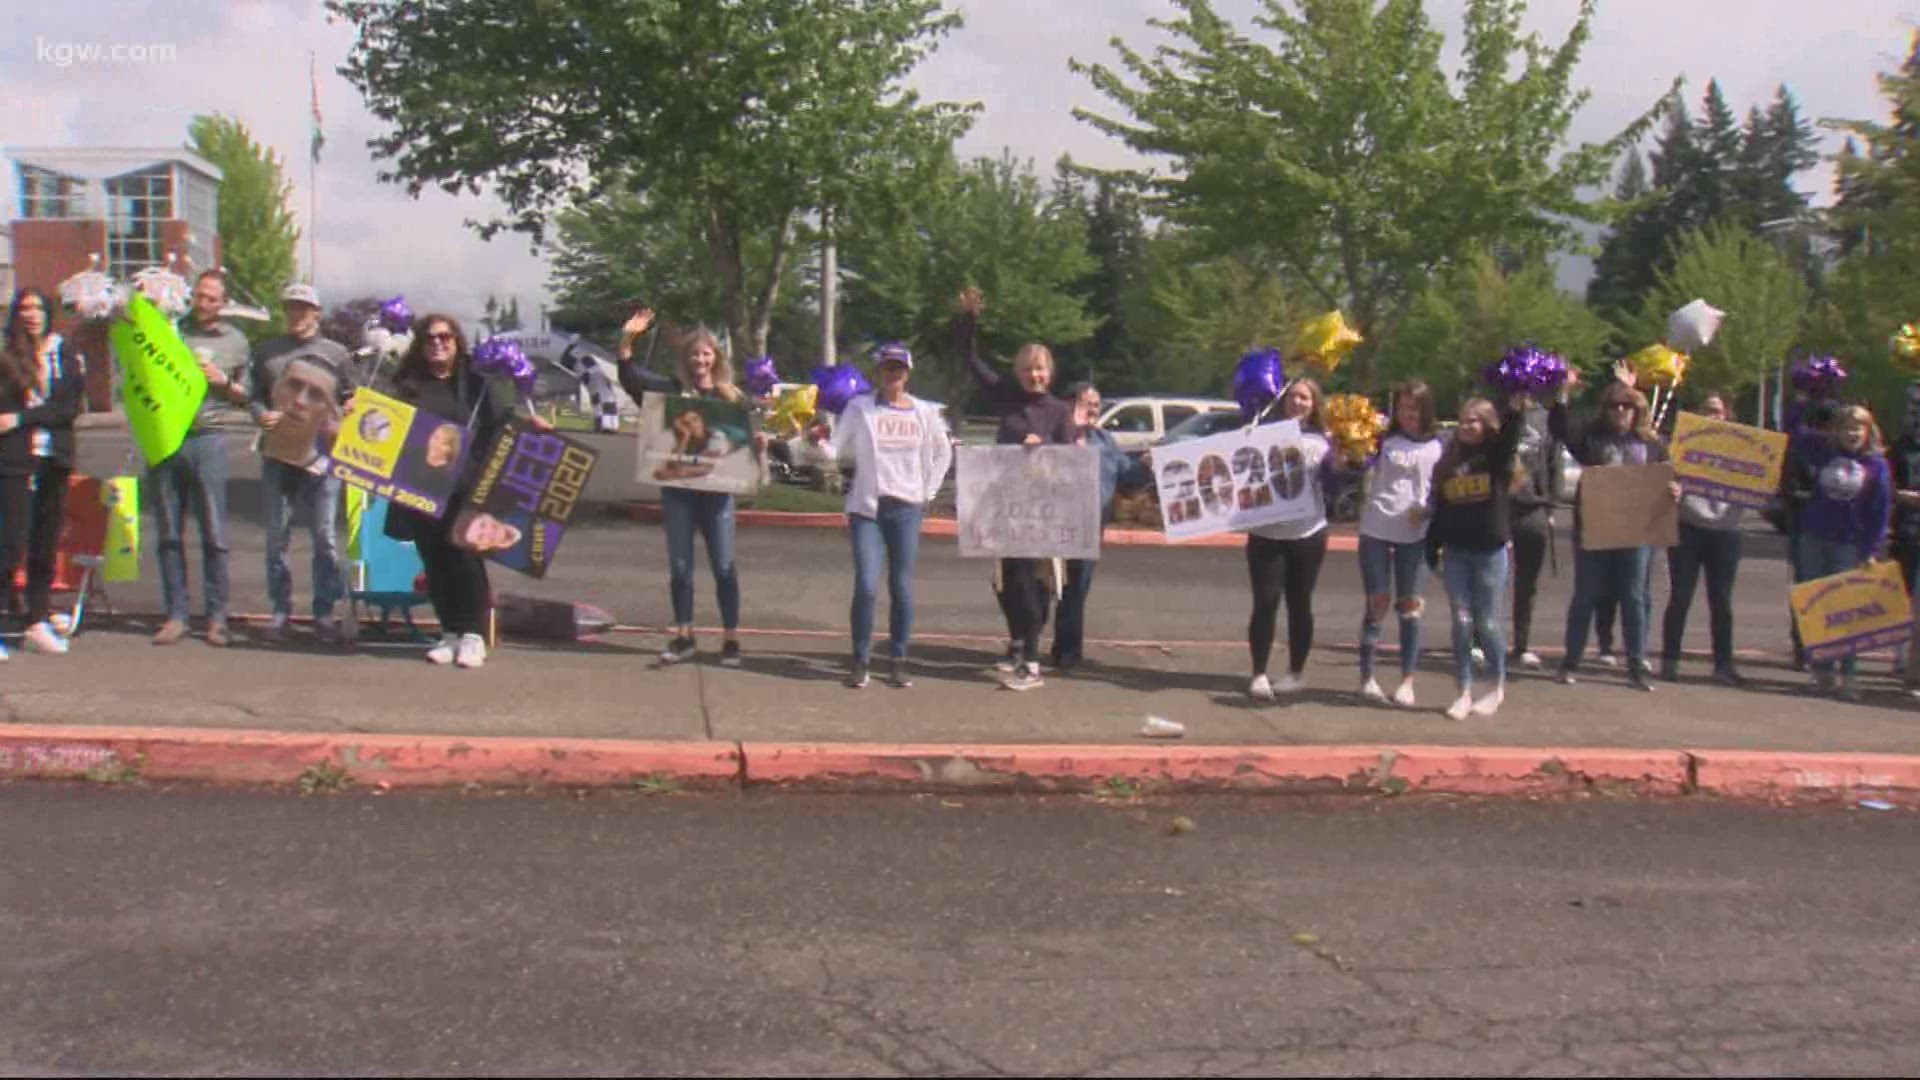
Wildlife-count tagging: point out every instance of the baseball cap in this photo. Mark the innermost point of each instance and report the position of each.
(895, 353)
(300, 293)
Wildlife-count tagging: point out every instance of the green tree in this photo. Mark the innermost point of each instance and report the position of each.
(1480, 309)
(1117, 241)
(1714, 183)
(1748, 276)
(1624, 269)
(258, 236)
(1339, 149)
(990, 224)
(753, 112)
(1197, 314)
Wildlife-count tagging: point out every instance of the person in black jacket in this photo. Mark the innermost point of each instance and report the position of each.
(435, 376)
(1472, 524)
(42, 384)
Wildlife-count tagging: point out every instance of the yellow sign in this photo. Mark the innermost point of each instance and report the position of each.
(121, 557)
(1861, 610)
(1730, 462)
(374, 433)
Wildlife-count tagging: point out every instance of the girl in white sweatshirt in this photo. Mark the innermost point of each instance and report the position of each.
(1393, 535)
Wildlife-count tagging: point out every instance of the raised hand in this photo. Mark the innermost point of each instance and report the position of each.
(971, 301)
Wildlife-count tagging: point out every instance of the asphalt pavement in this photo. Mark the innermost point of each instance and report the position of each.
(197, 932)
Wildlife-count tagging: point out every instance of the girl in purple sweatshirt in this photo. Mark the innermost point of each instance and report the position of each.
(1840, 492)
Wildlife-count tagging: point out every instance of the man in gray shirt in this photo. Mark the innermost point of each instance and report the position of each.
(301, 380)
(194, 479)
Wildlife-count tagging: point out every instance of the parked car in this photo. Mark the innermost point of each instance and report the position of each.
(1137, 423)
(1198, 426)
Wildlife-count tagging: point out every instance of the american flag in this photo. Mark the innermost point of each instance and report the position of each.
(313, 79)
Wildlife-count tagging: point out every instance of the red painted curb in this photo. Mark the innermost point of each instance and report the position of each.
(1275, 770)
(1755, 774)
(649, 514)
(273, 757)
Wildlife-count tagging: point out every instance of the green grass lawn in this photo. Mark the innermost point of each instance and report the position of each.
(793, 499)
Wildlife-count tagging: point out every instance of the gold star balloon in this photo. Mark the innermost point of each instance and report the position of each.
(1324, 342)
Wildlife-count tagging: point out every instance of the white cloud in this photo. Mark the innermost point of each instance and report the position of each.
(248, 58)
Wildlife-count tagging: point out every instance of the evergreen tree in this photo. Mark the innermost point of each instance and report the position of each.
(1710, 190)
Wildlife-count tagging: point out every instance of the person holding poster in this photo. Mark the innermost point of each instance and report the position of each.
(1903, 460)
(1029, 416)
(300, 382)
(900, 451)
(1840, 491)
(1622, 434)
(1709, 544)
(705, 372)
(1118, 473)
(42, 385)
(435, 376)
(1473, 487)
(1393, 535)
(1283, 560)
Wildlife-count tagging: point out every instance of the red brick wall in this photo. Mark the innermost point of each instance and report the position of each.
(45, 253)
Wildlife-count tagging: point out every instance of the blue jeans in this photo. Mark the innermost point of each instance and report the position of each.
(287, 489)
(1070, 618)
(1476, 583)
(1617, 575)
(711, 514)
(1817, 557)
(1396, 569)
(193, 480)
(893, 535)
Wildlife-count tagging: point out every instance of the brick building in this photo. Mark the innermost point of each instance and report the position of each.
(131, 207)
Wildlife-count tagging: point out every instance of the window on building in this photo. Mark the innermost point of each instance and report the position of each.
(199, 208)
(47, 194)
(137, 204)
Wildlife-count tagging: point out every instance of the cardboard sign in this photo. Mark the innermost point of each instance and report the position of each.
(1018, 502)
(395, 451)
(1235, 480)
(527, 493)
(702, 444)
(161, 384)
(1861, 610)
(1628, 506)
(1730, 462)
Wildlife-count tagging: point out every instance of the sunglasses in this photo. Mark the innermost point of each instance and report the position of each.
(440, 337)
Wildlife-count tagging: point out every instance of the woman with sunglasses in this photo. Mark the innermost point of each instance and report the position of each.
(1622, 434)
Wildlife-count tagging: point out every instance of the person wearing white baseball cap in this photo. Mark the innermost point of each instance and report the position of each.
(301, 378)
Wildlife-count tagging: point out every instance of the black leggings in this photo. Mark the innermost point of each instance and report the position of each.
(31, 516)
(1286, 568)
(456, 579)
(1023, 600)
(1532, 538)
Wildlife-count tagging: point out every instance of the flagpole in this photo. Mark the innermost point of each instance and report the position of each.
(313, 180)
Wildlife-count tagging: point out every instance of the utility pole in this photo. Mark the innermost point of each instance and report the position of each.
(829, 289)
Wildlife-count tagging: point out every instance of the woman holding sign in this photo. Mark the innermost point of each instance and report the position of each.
(1840, 490)
(41, 387)
(436, 376)
(704, 372)
(1710, 545)
(1283, 560)
(900, 452)
(1622, 434)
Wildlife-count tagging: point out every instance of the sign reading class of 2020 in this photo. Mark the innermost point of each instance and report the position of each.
(527, 494)
(395, 451)
(1235, 480)
(1016, 502)
(1730, 462)
(1861, 610)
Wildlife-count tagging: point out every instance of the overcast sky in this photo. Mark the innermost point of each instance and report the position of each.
(248, 58)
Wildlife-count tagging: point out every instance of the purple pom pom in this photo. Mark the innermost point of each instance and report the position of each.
(1257, 380)
(395, 316)
(838, 385)
(500, 358)
(1526, 369)
(761, 376)
(1819, 376)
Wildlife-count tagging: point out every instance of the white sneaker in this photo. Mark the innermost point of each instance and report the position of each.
(1403, 696)
(1260, 689)
(326, 630)
(1460, 708)
(1490, 704)
(1290, 683)
(1370, 691)
(62, 623)
(443, 652)
(1530, 660)
(40, 638)
(472, 651)
(1608, 659)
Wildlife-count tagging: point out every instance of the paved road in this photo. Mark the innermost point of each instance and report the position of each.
(198, 932)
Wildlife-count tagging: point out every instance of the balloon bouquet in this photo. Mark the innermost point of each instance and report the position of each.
(1260, 379)
(1662, 366)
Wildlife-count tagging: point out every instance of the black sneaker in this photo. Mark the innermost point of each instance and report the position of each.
(680, 648)
(897, 676)
(1010, 662)
(1669, 670)
(858, 679)
(1728, 676)
(1637, 679)
(730, 654)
